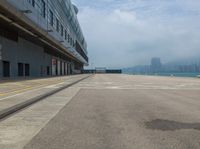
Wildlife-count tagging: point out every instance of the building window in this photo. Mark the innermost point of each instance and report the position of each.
(68, 38)
(65, 34)
(74, 43)
(57, 25)
(32, 2)
(70, 41)
(43, 8)
(51, 17)
(62, 31)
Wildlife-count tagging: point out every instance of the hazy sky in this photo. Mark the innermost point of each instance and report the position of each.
(124, 33)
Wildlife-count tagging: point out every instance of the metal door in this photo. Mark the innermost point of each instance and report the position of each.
(6, 69)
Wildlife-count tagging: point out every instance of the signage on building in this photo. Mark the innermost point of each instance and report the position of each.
(53, 61)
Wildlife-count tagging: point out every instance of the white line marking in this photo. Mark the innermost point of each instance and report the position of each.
(55, 85)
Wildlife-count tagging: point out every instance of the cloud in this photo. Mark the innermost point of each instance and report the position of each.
(123, 33)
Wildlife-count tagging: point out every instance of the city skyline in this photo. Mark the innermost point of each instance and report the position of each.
(156, 65)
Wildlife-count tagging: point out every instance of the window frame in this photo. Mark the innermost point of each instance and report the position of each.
(57, 25)
(43, 9)
(61, 30)
(32, 2)
(65, 34)
(51, 17)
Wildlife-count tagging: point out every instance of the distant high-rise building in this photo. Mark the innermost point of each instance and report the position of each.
(156, 65)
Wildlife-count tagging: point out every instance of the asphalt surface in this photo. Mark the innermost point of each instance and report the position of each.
(126, 112)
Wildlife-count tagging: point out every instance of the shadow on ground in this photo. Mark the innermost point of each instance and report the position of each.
(167, 125)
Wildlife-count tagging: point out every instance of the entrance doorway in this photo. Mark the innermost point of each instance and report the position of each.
(27, 70)
(6, 69)
(20, 69)
(48, 70)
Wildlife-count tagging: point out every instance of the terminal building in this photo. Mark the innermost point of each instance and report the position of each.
(40, 38)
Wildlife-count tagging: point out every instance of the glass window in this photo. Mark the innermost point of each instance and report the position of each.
(43, 8)
(65, 34)
(51, 17)
(32, 2)
(68, 38)
(70, 41)
(61, 27)
(57, 25)
(74, 44)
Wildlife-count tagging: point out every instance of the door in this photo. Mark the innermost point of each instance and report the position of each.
(6, 69)
(27, 70)
(61, 67)
(20, 69)
(48, 70)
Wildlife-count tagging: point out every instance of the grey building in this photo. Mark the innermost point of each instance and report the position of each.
(40, 38)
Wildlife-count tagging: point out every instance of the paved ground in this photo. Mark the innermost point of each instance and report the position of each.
(12, 87)
(16, 92)
(112, 112)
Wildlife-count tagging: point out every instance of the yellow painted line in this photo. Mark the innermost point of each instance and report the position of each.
(17, 91)
(11, 84)
(26, 89)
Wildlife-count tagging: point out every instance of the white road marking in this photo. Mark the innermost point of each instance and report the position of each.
(54, 86)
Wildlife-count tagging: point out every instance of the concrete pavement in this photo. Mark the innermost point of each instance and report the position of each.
(17, 130)
(112, 112)
(14, 98)
(16, 86)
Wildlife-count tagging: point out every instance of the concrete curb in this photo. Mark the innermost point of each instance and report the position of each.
(6, 112)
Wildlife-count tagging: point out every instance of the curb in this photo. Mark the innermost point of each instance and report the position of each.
(6, 112)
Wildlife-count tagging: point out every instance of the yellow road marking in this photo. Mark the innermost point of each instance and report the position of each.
(16, 91)
(28, 88)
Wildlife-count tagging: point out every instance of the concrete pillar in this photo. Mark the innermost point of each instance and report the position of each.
(53, 65)
(66, 69)
(58, 67)
(1, 70)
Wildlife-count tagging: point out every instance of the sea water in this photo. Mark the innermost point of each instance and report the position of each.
(175, 74)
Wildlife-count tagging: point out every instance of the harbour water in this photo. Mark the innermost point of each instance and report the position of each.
(175, 74)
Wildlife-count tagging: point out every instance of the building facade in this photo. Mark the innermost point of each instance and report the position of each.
(40, 38)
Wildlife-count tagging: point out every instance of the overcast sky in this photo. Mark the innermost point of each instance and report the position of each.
(124, 33)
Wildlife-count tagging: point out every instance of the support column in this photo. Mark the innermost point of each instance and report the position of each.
(1, 65)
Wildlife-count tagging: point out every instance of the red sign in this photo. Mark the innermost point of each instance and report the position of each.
(53, 61)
